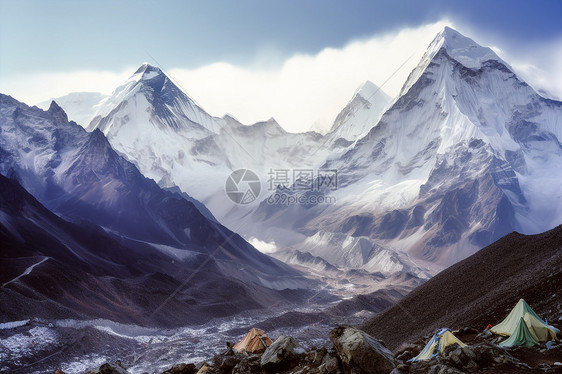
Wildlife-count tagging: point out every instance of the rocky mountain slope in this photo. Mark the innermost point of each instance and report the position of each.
(480, 290)
(152, 233)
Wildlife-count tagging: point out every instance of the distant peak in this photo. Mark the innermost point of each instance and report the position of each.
(57, 113)
(371, 92)
(148, 70)
(271, 125)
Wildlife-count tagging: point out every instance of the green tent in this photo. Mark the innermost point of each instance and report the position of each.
(506, 326)
(520, 336)
(538, 329)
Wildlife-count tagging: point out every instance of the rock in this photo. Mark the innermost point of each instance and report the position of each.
(359, 350)
(283, 354)
(249, 364)
(225, 363)
(485, 334)
(204, 368)
(182, 369)
(330, 365)
(58, 371)
(462, 358)
(115, 368)
(442, 369)
(319, 356)
(468, 330)
(405, 356)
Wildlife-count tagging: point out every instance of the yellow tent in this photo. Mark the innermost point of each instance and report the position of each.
(441, 340)
(539, 330)
(255, 341)
(448, 339)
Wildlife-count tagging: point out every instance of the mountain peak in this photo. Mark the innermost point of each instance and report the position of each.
(459, 48)
(462, 48)
(147, 71)
(361, 113)
(371, 92)
(271, 126)
(57, 113)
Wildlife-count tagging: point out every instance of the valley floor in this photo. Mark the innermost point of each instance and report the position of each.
(42, 346)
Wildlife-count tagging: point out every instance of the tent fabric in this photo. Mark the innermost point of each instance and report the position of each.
(538, 329)
(510, 322)
(437, 344)
(428, 351)
(448, 339)
(521, 336)
(255, 341)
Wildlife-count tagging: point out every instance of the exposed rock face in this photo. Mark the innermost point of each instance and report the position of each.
(182, 369)
(462, 358)
(282, 354)
(360, 351)
(113, 368)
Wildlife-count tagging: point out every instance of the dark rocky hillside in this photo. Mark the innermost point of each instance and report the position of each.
(480, 290)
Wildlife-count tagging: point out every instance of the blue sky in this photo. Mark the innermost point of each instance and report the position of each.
(70, 36)
(73, 34)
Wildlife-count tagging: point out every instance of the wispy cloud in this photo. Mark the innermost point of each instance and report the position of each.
(262, 246)
(302, 91)
(307, 91)
(541, 69)
(35, 88)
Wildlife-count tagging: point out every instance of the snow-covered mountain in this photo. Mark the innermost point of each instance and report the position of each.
(466, 154)
(172, 140)
(79, 106)
(361, 113)
(79, 176)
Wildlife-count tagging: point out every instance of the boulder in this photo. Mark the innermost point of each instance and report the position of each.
(114, 368)
(361, 352)
(462, 358)
(225, 363)
(330, 365)
(319, 356)
(249, 364)
(283, 354)
(182, 369)
(443, 369)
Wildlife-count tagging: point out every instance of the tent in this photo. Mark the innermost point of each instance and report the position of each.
(437, 344)
(539, 330)
(520, 336)
(255, 341)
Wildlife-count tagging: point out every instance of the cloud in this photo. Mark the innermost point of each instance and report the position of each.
(541, 69)
(302, 91)
(307, 91)
(262, 246)
(38, 87)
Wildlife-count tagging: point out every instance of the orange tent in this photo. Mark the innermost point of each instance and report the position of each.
(256, 341)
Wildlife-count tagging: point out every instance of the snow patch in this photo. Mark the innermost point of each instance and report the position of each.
(263, 246)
